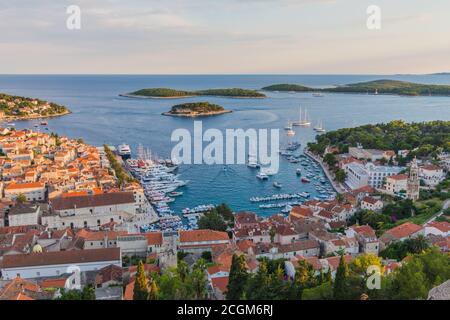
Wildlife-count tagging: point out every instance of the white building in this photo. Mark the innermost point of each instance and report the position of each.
(370, 203)
(90, 211)
(431, 175)
(24, 215)
(33, 191)
(396, 184)
(359, 175)
(51, 264)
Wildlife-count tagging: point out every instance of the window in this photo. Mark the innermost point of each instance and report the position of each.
(57, 272)
(38, 274)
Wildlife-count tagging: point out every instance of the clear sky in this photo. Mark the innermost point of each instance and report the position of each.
(224, 36)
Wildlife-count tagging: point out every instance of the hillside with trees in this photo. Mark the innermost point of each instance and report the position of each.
(428, 138)
(173, 93)
(196, 109)
(21, 108)
(373, 87)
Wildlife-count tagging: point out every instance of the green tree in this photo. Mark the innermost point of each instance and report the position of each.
(238, 278)
(340, 282)
(212, 220)
(340, 176)
(154, 291)
(88, 293)
(140, 284)
(21, 198)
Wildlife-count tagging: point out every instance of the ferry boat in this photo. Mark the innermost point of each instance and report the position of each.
(124, 151)
(305, 180)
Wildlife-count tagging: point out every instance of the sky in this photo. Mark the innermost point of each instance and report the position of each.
(224, 37)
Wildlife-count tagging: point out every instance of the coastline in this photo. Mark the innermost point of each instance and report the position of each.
(195, 115)
(126, 95)
(28, 118)
(334, 184)
(135, 96)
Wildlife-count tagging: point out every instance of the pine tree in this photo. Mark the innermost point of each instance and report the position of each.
(140, 284)
(237, 279)
(154, 291)
(328, 276)
(342, 274)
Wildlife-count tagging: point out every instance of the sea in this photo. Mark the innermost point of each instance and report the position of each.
(100, 116)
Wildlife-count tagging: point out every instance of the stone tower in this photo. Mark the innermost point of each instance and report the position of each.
(413, 181)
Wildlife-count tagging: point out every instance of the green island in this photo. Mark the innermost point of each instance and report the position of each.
(22, 108)
(372, 87)
(173, 93)
(196, 109)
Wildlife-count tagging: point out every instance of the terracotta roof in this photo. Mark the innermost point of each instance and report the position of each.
(404, 230)
(53, 283)
(60, 257)
(109, 273)
(401, 176)
(220, 283)
(334, 261)
(244, 217)
(154, 238)
(443, 226)
(129, 291)
(300, 245)
(370, 200)
(431, 167)
(217, 268)
(302, 211)
(103, 199)
(203, 235)
(28, 185)
(365, 231)
(314, 261)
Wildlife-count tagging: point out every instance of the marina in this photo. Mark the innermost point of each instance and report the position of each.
(119, 120)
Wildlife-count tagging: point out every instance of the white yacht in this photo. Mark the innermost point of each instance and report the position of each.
(262, 176)
(303, 119)
(124, 151)
(289, 126)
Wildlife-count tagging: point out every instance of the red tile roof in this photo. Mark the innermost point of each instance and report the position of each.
(404, 230)
(220, 283)
(202, 236)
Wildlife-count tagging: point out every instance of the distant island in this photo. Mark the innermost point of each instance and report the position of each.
(21, 108)
(167, 93)
(372, 87)
(196, 109)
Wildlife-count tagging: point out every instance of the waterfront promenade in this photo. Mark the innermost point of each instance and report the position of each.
(337, 186)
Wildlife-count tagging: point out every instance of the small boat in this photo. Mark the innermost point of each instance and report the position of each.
(305, 180)
(319, 127)
(298, 172)
(289, 126)
(124, 151)
(11, 124)
(290, 133)
(277, 184)
(317, 95)
(262, 176)
(44, 123)
(175, 193)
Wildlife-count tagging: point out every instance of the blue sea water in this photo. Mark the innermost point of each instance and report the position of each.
(101, 116)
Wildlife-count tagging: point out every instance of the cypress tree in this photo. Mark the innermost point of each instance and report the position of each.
(237, 279)
(342, 274)
(154, 291)
(140, 284)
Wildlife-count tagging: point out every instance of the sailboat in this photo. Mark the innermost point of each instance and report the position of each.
(289, 126)
(319, 127)
(303, 119)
